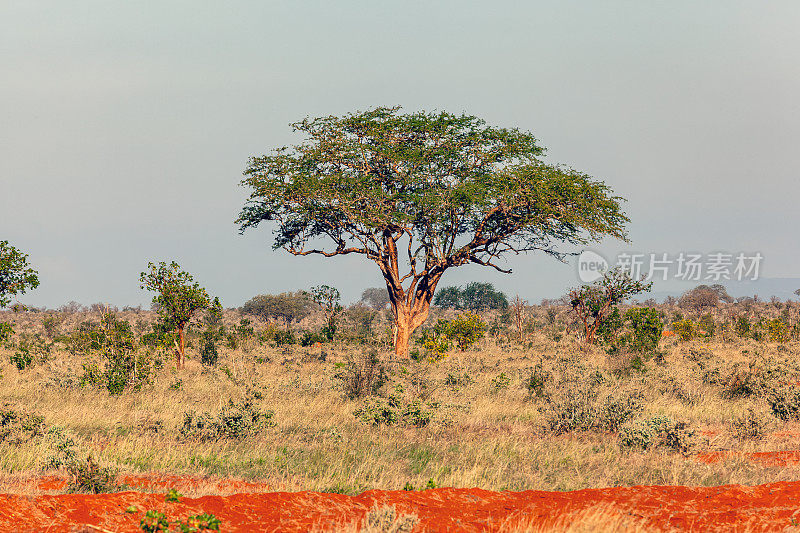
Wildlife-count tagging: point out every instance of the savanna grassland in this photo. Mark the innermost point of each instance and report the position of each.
(523, 408)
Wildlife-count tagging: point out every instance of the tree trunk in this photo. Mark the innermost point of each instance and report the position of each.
(182, 347)
(405, 322)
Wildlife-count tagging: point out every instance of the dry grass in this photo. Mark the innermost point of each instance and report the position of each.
(479, 436)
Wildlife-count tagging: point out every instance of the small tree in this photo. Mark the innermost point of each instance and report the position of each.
(477, 296)
(465, 330)
(375, 297)
(177, 301)
(16, 275)
(328, 299)
(519, 308)
(593, 303)
(286, 306)
(448, 298)
(419, 194)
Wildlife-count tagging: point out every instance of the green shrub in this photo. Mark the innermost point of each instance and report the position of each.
(706, 326)
(236, 420)
(465, 330)
(657, 431)
(501, 382)
(284, 337)
(777, 330)
(618, 408)
(645, 328)
(536, 381)
(209, 355)
(393, 410)
(742, 326)
(122, 366)
(684, 329)
(6, 331)
(18, 426)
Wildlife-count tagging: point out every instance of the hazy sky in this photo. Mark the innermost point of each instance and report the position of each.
(125, 126)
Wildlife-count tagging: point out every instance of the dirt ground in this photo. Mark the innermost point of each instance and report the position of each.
(39, 506)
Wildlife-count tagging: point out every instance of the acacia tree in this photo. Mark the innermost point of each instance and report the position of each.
(421, 193)
(16, 275)
(177, 301)
(593, 304)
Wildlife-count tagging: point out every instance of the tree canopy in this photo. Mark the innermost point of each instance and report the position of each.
(16, 275)
(419, 193)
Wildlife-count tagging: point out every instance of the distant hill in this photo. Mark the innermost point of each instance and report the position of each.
(765, 288)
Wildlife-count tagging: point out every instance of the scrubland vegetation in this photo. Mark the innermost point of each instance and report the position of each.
(506, 398)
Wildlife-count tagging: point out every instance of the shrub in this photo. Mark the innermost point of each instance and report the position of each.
(501, 382)
(32, 349)
(61, 448)
(618, 408)
(777, 330)
(90, 478)
(751, 425)
(573, 402)
(657, 431)
(18, 426)
(208, 348)
(361, 375)
(465, 330)
(742, 326)
(536, 381)
(155, 521)
(236, 420)
(645, 329)
(6, 331)
(121, 365)
(784, 401)
(706, 326)
(393, 410)
(684, 329)
(284, 338)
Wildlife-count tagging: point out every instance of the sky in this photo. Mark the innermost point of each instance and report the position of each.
(125, 126)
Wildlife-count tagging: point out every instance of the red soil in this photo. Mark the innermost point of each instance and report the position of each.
(765, 507)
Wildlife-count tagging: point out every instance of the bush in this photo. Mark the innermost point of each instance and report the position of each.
(657, 431)
(706, 326)
(618, 409)
(6, 331)
(784, 401)
(208, 348)
(645, 329)
(361, 375)
(684, 329)
(18, 426)
(234, 421)
(393, 410)
(536, 381)
(501, 382)
(777, 330)
(284, 338)
(121, 365)
(751, 425)
(90, 478)
(465, 330)
(32, 349)
(573, 403)
(742, 327)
